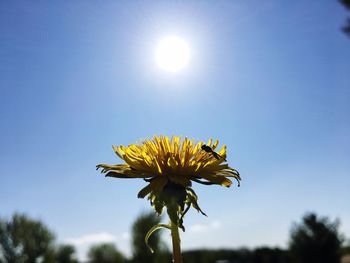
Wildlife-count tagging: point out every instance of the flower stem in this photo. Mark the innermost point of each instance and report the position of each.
(177, 258)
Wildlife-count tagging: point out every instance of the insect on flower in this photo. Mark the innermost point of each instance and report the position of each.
(208, 149)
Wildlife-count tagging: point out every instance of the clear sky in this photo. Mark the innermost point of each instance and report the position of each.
(269, 79)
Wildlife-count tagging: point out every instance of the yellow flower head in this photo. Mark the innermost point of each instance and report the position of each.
(170, 165)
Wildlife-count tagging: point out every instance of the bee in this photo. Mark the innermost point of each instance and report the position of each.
(208, 149)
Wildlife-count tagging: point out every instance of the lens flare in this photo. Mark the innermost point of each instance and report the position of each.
(172, 53)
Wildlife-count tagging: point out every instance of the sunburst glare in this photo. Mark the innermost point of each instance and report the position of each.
(172, 53)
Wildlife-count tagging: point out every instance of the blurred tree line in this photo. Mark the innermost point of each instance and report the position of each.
(314, 240)
(24, 240)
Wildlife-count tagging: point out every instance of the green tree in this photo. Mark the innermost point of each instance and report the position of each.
(65, 254)
(105, 253)
(25, 240)
(346, 28)
(140, 252)
(315, 240)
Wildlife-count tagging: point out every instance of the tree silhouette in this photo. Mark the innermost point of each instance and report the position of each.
(315, 240)
(65, 254)
(105, 253)
(140, 252)
(346, 28)
(25, 240)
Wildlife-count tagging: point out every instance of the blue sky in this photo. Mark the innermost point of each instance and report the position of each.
(268, 79)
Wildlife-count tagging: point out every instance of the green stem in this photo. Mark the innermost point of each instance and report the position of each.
(176, 243)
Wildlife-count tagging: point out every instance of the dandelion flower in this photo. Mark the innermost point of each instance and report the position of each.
(170, 165)
(167, 162)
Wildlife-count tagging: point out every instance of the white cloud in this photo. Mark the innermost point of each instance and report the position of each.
(215, 224)
(202, 228)
(83, 243)
(103, 237)
(126, 236)
(198, 228)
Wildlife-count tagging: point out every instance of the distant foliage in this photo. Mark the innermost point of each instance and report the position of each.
(140, 252)
(25, 240)
(259, 255)
(346, 28)
(220, 255)
(65, 254)
(105, 253)
(315, 239)
(270, 255)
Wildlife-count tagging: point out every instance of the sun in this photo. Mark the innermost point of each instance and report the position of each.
(172, 53)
